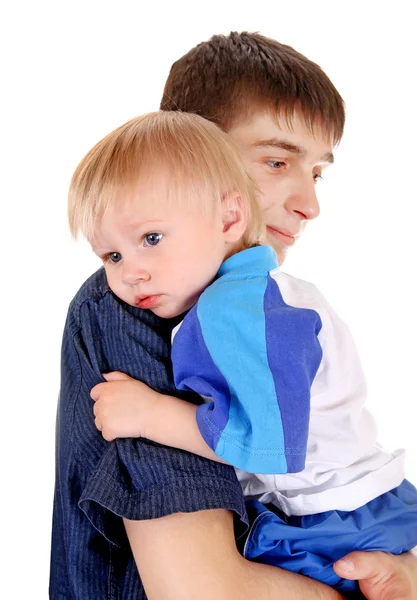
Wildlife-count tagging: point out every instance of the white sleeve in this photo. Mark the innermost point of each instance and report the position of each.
(345, 466)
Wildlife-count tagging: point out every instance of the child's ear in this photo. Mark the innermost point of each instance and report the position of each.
(234, 216)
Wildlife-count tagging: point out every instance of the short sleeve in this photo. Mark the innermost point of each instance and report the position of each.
(138, 480)
(255, 357)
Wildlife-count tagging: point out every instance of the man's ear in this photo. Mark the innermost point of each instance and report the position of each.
(234, 217)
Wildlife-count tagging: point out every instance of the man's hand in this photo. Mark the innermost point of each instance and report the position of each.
(381, 576)
(123, 406)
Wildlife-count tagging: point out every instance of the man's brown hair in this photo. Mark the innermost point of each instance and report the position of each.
(228, 78)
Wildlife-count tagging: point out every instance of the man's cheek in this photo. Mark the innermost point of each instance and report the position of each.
(266, 199)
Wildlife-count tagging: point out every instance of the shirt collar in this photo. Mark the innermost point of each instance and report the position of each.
(259, 258)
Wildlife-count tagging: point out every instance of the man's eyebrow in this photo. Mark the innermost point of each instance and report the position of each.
(289, 147)
(329, 158)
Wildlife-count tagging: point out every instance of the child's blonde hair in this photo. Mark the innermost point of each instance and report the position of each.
(202, 164)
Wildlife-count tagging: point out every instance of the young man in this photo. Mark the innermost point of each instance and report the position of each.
(177, 508)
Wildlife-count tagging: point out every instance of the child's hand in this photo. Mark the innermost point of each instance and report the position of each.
(123, 406)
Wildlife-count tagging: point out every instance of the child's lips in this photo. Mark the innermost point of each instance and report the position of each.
(147, 301)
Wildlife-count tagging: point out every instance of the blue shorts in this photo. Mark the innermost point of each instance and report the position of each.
(311, 544)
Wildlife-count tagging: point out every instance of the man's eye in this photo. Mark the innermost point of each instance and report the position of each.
(113, 257)
(275, 164)
(152, 239)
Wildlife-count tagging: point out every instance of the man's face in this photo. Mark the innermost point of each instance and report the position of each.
(286, 164)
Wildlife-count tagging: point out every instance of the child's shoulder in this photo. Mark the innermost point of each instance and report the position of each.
(231, 288)
(303, 294)
(298, 292)
(295, 292)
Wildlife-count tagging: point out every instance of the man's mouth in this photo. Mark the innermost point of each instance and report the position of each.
(147, 301)
(283, 236)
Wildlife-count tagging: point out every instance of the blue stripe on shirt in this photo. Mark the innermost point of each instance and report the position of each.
(194, 370)
(256, 357)
(294, 355)
(232, 320)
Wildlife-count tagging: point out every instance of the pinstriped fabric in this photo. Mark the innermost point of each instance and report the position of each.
(98, 482)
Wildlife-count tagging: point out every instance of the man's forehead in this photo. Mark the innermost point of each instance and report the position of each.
(292, 134)
(282, 143)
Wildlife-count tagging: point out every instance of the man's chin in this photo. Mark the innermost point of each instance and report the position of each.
(280, 251)
(281, 256)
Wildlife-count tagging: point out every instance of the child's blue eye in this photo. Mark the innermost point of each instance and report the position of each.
(114, 257)
(152, 239)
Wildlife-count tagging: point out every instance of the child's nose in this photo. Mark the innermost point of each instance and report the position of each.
(132, 275)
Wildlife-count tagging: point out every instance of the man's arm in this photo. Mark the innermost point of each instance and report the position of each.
(97, 482)
(193, 555)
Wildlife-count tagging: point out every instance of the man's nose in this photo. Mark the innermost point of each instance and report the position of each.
(303, 198)
(133, 274)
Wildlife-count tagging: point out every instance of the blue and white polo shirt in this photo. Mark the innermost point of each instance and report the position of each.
(254, 358)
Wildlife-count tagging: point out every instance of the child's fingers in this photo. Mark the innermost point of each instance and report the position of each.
(116, 376)
(98, 390)
(95, 392)
(107, 435)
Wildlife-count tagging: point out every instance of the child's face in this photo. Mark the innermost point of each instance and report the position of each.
(158, 256)
(285, 163)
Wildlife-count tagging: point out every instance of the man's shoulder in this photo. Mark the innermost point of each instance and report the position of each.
(94, 289)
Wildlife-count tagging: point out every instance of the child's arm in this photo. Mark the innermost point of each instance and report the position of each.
(173, 423)
(125, 407)
(256, 358)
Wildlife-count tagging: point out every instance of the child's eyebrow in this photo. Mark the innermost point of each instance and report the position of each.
(132, 226)
(99, 251)
(139, 224)
(289, 147)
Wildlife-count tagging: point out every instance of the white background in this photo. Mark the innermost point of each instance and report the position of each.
(71, 72)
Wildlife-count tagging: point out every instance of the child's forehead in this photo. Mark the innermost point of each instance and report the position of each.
(134, 215)
(115, 225)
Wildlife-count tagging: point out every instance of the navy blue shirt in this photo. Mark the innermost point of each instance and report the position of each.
(97, 482)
